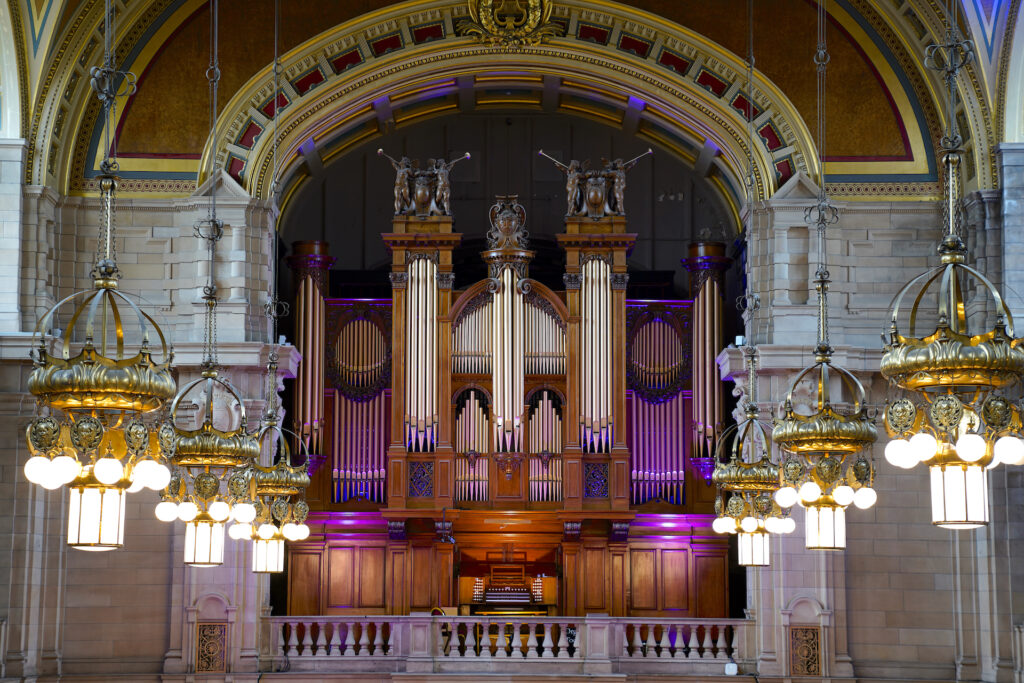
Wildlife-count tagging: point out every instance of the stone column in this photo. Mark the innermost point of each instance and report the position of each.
(12, 160)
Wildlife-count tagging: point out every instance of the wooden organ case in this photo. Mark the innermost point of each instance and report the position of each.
(503, 448)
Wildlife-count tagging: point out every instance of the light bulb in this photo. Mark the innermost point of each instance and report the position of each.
(786, 496)
(37, 469)
(303, 532)
(159, 477)
(970, 447)
(290, 531)
(219, 510)
(923, 446)
(136, 485)
(108, 471)
(865, 497)
(717, 525)
(1009, 450)
(843, 495)
(187, 511)
(243, 513)
(240, 532)
(771, 525)
(140, 471)
(788, 525)
(166, 511)
(51, 479)
(266, 531)
(899, 453)
(67, 468)
(749, 524)
(810, 492)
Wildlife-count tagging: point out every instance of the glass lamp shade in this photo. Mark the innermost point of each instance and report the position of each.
(959, 495)
(825, 527)
(268, 555)
(96, 518)
(204, 542)
(752, 549)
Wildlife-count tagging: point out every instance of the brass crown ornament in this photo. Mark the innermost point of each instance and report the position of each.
(953, 370)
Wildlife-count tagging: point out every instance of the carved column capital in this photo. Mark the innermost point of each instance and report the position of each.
(572, 280)
(620, 280)
(398, 280)
(445, 280)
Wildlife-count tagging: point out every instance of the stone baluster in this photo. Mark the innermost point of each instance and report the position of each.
(663, 642)
(706, 652)
(720, 647)
(350, 638)
(321, 638)
(691, 646)
(364, 638)
(378, 638)
(511, 635)
(471, 640)
(307, 639)
(547, 646)
(563, 640)
(649, 650)
(680, 641)
(334, 646)
(531, 641)
(453, 639)
(485, 639)
(625, 640)
(281, 645)
(638, 649)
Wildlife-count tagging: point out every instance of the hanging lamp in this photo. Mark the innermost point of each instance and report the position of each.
(95, 429)
(825, 439)
(213, 456)
(277, 492)
(952, 366)
(744, 474)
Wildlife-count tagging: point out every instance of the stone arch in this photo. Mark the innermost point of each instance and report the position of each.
(358, 79)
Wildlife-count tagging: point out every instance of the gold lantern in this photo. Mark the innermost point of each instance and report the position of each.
(744, 472)
(953, 415)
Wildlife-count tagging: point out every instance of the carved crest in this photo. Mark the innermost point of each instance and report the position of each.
(510, 23)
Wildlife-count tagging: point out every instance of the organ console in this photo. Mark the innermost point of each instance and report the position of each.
(506, 444)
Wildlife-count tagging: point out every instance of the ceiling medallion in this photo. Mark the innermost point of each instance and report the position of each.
(510, 24)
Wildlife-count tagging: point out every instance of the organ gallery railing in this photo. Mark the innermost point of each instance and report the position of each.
(447, 644)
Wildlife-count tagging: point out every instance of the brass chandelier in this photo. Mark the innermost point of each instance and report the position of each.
(94, 429)
(953, 415)
(745, 472)
(277, 491)
(212, 454)
(826, 469)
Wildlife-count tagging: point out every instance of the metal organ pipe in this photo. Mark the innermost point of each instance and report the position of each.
(421, 356)
(545, 437)
(507, 368)
(471, 434)
(595, 357)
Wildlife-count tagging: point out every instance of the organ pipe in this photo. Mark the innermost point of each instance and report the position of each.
(310, 264)
(471, 437)
(508, 369)
(706, 262)
(595, 357)
(421, 356)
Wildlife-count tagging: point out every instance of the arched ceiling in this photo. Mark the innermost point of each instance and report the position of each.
(882, 104)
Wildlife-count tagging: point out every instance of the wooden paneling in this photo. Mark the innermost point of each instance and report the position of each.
(398, 601)
(710, 571)
(642, 579)
(620, 579)
(595, 588)
(570, 578)
(674, 581)
(421, 578)
(304, 583)
(371, 577)
(341, 577)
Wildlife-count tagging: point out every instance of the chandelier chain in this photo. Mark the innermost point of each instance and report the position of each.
(211, 229)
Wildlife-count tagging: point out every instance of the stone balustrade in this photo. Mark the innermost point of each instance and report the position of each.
(595, 644)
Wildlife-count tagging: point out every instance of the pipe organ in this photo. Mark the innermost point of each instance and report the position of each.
(310, 265)
(358, 373)
(518, 416)
(706, 262)
(595, 357)
(658, 370)
(420, 365)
